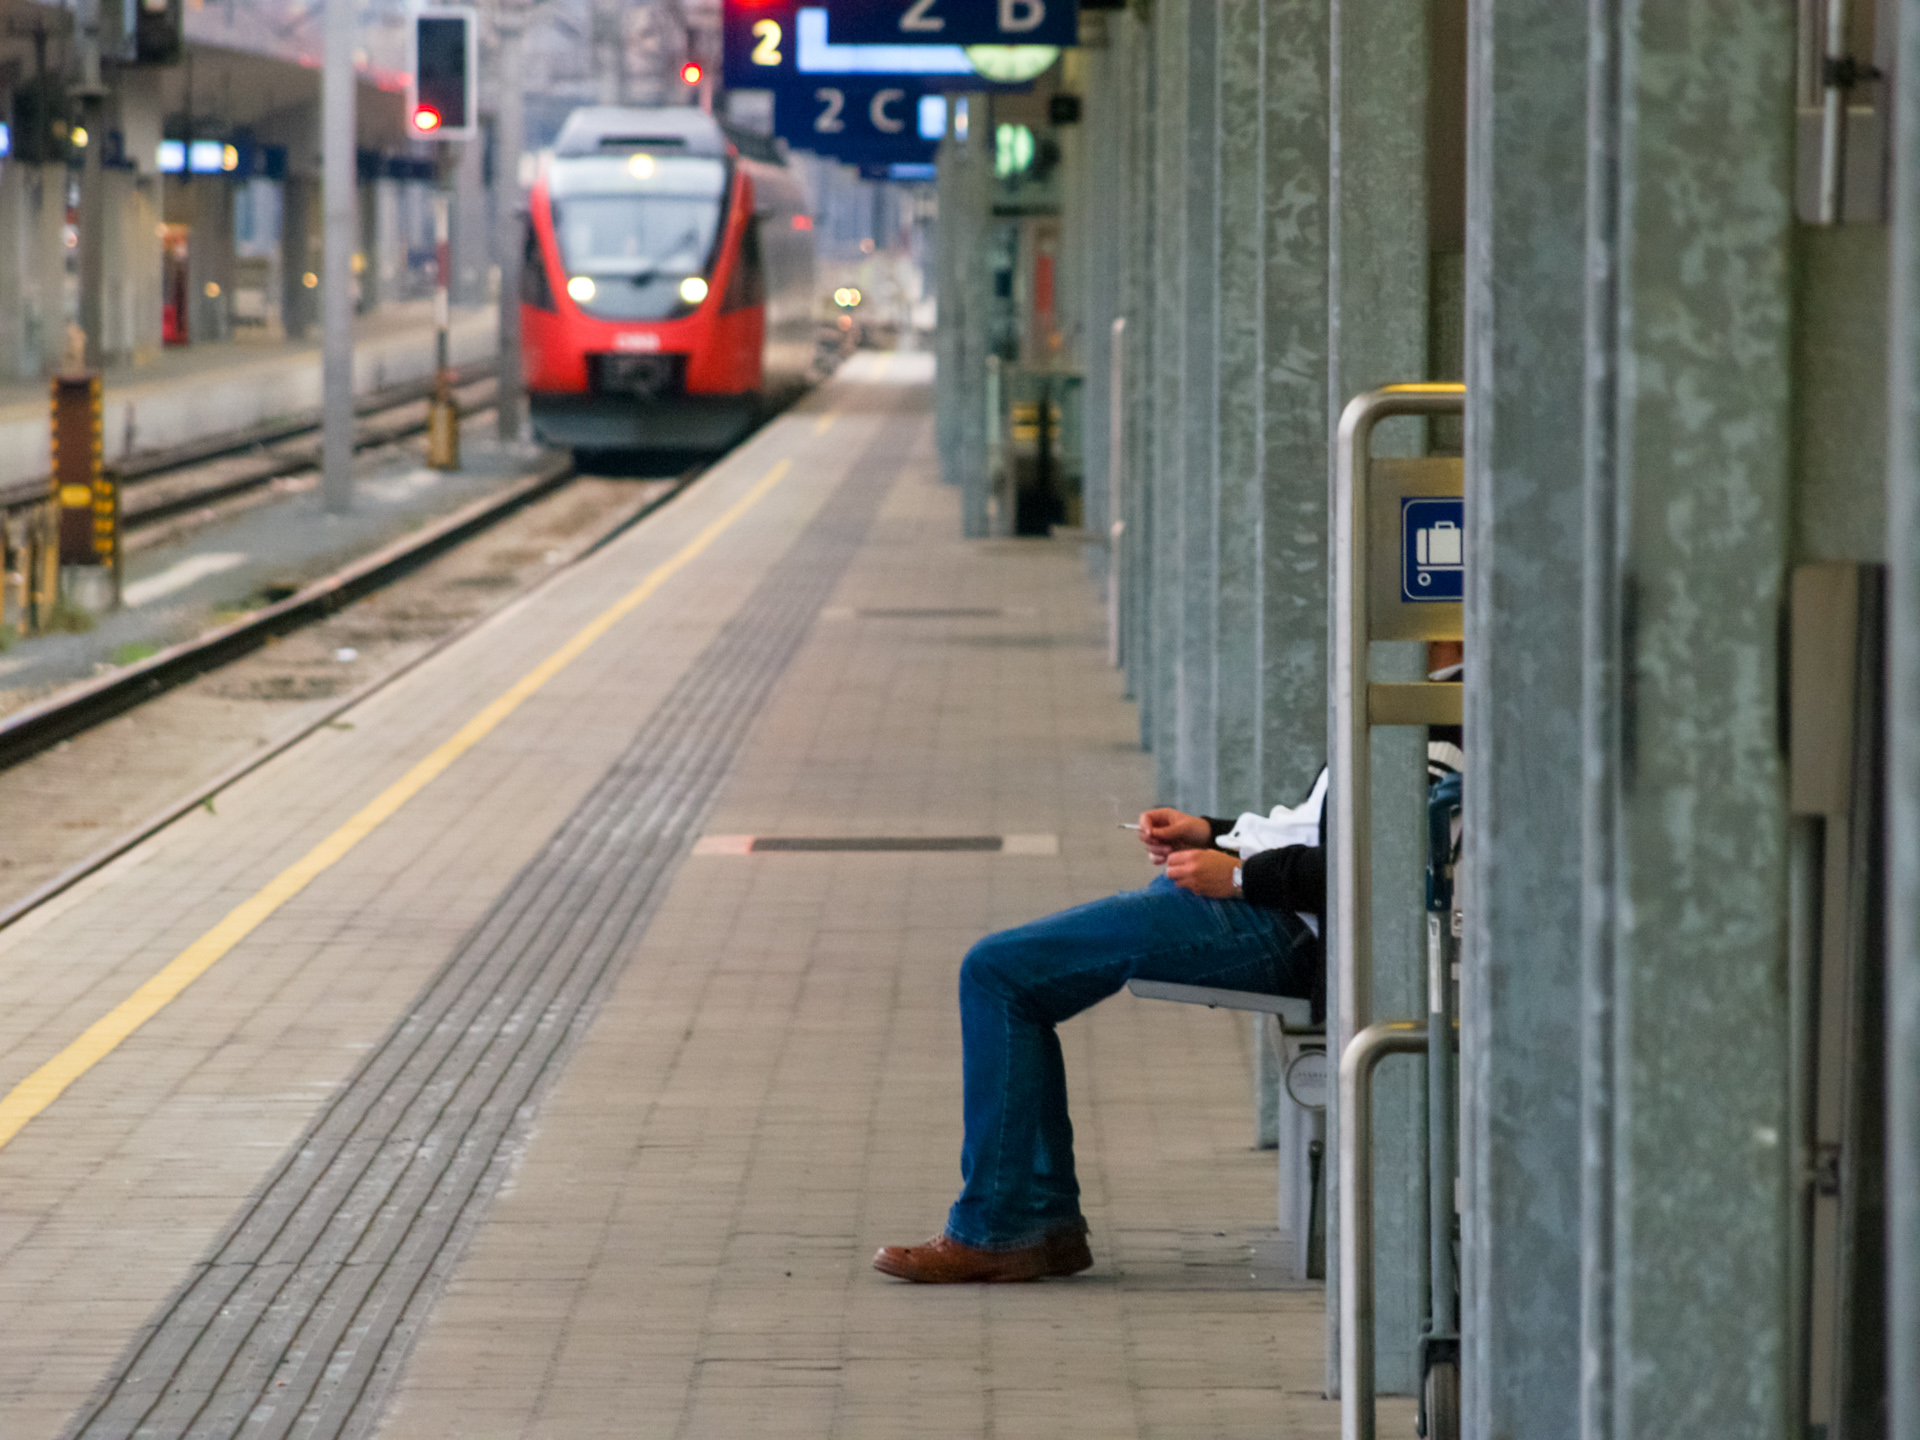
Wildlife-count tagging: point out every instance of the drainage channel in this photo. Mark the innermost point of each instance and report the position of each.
(299, 1320)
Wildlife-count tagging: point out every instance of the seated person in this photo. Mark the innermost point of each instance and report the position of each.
(1238, 908)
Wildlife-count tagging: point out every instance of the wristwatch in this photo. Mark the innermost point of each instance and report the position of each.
(1236, 884)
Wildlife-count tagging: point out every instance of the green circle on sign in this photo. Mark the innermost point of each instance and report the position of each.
(1012, 150)
(1011, 64)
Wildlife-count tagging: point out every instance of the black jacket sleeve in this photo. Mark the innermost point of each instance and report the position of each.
(1293, 877)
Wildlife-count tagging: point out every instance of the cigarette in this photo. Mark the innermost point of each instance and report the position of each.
(1126, 825)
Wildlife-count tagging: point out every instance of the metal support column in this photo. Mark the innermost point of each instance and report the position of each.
(1903, 769)
(93, 197)
(340, 188)
(1196, 657)
(1138, 277)
(1685, 1032)
(1235, 601)
(1159, 688)
(1520, 1102)
(509, 210)
(1377, 335)
(1291, 458)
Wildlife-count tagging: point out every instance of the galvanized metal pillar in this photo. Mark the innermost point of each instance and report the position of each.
(1684, 1018)
(1903, 769)
(1139, 255)
(1520, 1096)
(1377, 323)
(1094, 154)
(1169, 457)
(1290, 601)
(965, 179)
(1196, 742)
(1235, 593)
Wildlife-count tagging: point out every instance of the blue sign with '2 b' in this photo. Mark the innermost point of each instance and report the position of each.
(1433, 554)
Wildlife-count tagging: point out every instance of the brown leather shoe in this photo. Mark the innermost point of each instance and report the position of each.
(1067, 1252)
(945, 1261)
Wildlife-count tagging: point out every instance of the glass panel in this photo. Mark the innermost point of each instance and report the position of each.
(636, 250)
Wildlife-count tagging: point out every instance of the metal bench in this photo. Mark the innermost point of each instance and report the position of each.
(1290, 1092)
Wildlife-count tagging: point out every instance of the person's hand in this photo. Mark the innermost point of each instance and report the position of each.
(1204, 872)
(1165, 830)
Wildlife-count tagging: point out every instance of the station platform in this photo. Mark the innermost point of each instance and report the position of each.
(464, 1073)
(189, 394)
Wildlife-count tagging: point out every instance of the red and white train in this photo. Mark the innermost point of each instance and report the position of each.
(667, 291)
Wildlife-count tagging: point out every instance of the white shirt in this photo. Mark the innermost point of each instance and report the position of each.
(1283, 825)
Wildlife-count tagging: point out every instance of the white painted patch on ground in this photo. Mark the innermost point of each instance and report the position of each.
(179, 576)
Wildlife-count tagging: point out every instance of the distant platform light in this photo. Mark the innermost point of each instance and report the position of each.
(212, 289)
(803, 222)
(6, 139)
(693, 289)
(79, 137)
(229, 157)
(932, 116)
(1012, 149)
(310, 280)
(581, 288)
(691, 72)
(206, 157)
(846, 297)
(172, 157)
(640, 166)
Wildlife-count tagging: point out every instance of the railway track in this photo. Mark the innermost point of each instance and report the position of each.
(164, 484)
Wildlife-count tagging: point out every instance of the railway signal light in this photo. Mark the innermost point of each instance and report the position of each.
(691, 72)
(445, 68)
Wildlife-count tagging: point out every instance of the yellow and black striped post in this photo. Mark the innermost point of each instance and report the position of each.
(85, 497)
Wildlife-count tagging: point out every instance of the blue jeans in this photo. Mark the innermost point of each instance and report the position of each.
(1016, 1163)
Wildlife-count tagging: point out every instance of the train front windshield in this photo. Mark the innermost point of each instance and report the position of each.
(637, 233)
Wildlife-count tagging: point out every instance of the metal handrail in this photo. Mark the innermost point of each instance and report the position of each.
(1351, 784)
(1351, 798)
(1357, 1061)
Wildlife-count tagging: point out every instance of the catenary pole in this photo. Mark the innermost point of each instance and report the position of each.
(339, 205)
(93, 208)
(510, 117)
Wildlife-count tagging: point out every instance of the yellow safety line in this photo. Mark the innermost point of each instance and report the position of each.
(825, 422)
(97, 1041)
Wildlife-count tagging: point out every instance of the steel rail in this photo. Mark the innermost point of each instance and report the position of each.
(142, 469)
(29, 731)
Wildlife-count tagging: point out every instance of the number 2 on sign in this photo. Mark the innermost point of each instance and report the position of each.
(828, 121)
(766, 44)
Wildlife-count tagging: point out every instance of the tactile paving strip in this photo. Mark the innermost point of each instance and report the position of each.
(298, 1322)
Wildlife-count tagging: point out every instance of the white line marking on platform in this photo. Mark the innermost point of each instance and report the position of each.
(1029, 844)
(179, 576)
(723, 845)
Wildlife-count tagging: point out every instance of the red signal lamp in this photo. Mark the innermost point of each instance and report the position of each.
(691, 72)
(426, 119)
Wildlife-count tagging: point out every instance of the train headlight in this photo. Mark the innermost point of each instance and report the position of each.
(693, 289)
(580, 288)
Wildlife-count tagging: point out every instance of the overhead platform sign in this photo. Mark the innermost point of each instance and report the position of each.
(956, 22)
(778, 44)
(862, 121)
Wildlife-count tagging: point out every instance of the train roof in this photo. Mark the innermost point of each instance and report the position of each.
(676, 130)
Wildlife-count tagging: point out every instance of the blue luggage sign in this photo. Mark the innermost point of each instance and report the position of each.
(955, 22)
(1433, 550)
